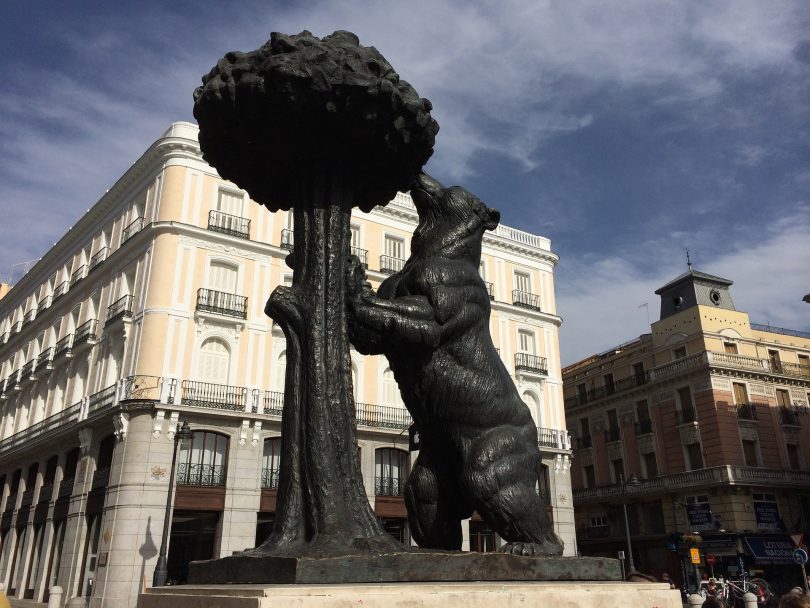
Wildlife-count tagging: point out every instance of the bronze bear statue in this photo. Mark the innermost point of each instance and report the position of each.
(478, 441)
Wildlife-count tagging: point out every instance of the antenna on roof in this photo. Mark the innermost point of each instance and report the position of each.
(688, 260)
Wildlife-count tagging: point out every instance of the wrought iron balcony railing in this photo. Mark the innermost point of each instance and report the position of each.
(287, 239)
(525, 299)
(200, 474)
(644, 426)
(61, 289)
(789, 416)
(531, 363)
(391, 265)
(99, 256)
(27, 498)
(44, 302)
(29, 316)
(43, 427)
(214, 396)
(362, 254)
(86, 332)
(388, 486)
(101, 478)
(270, 479)
(221, 303)
(229, 224)
(28, 368)
(66, 487)
(44, 358)
(102, 399)
(747, 411)
(131, 230)
(382, 416)
(45, 492)
(553, 438)
(78, 274)
(120, 309)
(63, 346)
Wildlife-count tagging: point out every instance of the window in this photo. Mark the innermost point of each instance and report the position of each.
(740, 393)
(782, 398)
(214, 362)
(526, 343)
(687, 412)
(390, 390)
(679, 353)
(597, 521)
(582, 392)
(751, 452)
(280, 372)
(638, 373)
(794, 461)
(589, 476)
(584, 427)
(271, 462)
(804, 363)
(730, 348)
(229, 202)
(775, 361)
(222, 277)
(650, 465)
(694, 457)
(390, 471)
(523, 281)
(642, 410)
(613, 431)
(617, 470)
(203, 463)
(394, 247)
(610, 385)
(355, 236)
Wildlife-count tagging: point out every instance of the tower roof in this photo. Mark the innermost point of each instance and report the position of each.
(690, 275)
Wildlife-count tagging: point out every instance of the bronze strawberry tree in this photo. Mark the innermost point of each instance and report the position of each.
(318, 126)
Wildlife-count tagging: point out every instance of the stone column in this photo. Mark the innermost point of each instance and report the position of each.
(50, 537)
(243, 495)
(562, 501)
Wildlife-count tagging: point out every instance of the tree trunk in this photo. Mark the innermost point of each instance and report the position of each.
(322, 507)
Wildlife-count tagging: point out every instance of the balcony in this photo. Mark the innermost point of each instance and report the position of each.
(44, 303)
(644, 426)
(29, 316)
(382, 416)
(553, 438)
(66, 488)
(789, 416)
(793, 369)
(86, 333)
(103, 399)
(391, 265)
(145, 388)
(43, 427)
(273, 402)
(101, 477)
(120, 309)
(61, 289)
(388, 486)
(28, 369)
(232, 225)
(78, 274)
(747, 411)
(531, 363)
(131, 230)
(63, 347)
(221, 303)
(27, 498)
(700, 478)
(200, 474)
(490, 290)
(604, 391)
(270, 479)
(362, 254)
(99, 256)
(525, 299)
(686, 415)
(287, 239)
(213, 396)
(613, 434)
(45, 492)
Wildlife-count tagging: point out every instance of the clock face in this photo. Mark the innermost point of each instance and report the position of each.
(714, 296)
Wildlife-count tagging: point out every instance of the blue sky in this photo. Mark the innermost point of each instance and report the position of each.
(625, 131)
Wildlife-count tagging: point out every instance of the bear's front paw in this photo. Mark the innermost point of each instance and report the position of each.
(528, 548)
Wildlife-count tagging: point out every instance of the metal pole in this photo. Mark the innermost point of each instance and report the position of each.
(161, 569)
(631, 567)
(805, 581)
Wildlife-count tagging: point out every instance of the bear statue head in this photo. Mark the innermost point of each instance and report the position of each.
(451, 220)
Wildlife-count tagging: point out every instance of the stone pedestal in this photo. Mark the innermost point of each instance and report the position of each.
(417, 595)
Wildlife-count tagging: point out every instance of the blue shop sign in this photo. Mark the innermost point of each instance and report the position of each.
(700, 516)
(767, 514)
(771, 549)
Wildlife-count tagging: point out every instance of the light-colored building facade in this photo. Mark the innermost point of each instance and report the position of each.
(149, 312)
(708, 412)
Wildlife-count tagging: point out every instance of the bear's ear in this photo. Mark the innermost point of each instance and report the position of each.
(493, 218)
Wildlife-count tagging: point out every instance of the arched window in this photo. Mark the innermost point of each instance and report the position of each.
(390, 471)
(214, 363)
(271, 463)
(203, 463)
(390, 390)
(534, 406)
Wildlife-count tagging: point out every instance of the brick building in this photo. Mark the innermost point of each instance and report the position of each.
(704, 419)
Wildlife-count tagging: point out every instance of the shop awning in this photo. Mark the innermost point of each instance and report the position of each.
(770, 549)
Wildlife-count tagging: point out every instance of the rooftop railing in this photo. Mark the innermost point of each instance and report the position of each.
(232, 225)
(221, 303)
(780, 330)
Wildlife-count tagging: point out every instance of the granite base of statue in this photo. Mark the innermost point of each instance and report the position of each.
(319, 126)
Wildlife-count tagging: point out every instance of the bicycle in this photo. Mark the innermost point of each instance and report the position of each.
(735, 590)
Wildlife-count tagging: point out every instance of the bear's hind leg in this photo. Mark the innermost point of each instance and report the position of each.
(501, 476)
(434, 508)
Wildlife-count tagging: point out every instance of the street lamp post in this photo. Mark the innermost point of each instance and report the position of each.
(182, 435)
(633, 481)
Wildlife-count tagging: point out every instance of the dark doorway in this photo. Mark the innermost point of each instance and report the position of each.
(264, 526)
(192, 537)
